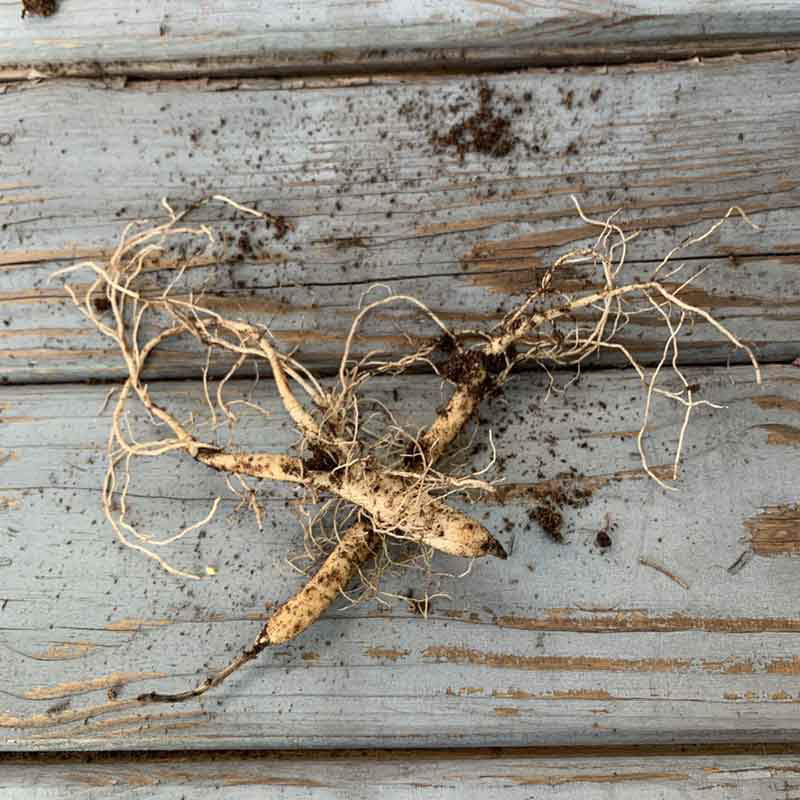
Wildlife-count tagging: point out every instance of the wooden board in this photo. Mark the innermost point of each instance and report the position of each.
(181, 37)
(518, 775)
(352, 166)
(652, 640)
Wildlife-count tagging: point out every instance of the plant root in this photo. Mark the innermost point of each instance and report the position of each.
(386, 482)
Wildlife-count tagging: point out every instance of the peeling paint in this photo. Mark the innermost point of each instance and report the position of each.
(769, 402)
(128, 625)
(613, 777)
(71, 688)
(781, 434)
(9, 503)
(465, 691)
(386, 654)
(637, 620)
(65, 651)
(16, 258)
(122, 725)
(729, 666)
(565, 694)
(775, 531)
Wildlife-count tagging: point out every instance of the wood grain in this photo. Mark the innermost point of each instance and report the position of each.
(562, 643)
(589, 774)
(352, 166)
(222, 37)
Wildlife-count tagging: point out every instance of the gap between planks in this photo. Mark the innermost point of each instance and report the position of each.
(560, 752)
(416, 62)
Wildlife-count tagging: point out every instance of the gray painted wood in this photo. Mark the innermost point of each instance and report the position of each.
(181, 37)
(516, 776)
(560, 644)
(672, 145)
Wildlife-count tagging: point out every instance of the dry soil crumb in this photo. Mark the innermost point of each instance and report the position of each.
(550, 519)
(39, 8)
(547, 512)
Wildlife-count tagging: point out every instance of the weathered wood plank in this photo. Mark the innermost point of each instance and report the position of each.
(651, 640)
(180, 37)
(371, 200)
(512, 775)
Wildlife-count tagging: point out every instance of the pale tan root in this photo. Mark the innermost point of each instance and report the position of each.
(394, 505)
(298, 613)
(267, 466)
(449, 423)
(309, 604)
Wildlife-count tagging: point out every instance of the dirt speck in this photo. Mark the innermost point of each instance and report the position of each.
(603, 539)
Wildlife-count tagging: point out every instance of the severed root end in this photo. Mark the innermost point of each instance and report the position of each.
(209, 683)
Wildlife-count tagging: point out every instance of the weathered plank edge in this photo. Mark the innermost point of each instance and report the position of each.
(350, 61)
(565, 772)
(53, 354)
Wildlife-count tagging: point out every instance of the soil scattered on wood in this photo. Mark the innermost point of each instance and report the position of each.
(547, 512)
(485, 122)
(484, 131)
(550, 520)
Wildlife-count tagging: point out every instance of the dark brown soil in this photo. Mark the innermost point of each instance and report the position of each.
(603, 539)
(464, 367)
(319, 461)
(547, 512)
(281, 226)
(445, 343)
(245, 244)
(469, 366)
(39, 8)
(550, 520)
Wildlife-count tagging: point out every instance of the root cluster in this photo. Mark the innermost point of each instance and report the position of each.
(381, 486)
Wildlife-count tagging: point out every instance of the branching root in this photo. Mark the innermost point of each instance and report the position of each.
(381, 479)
